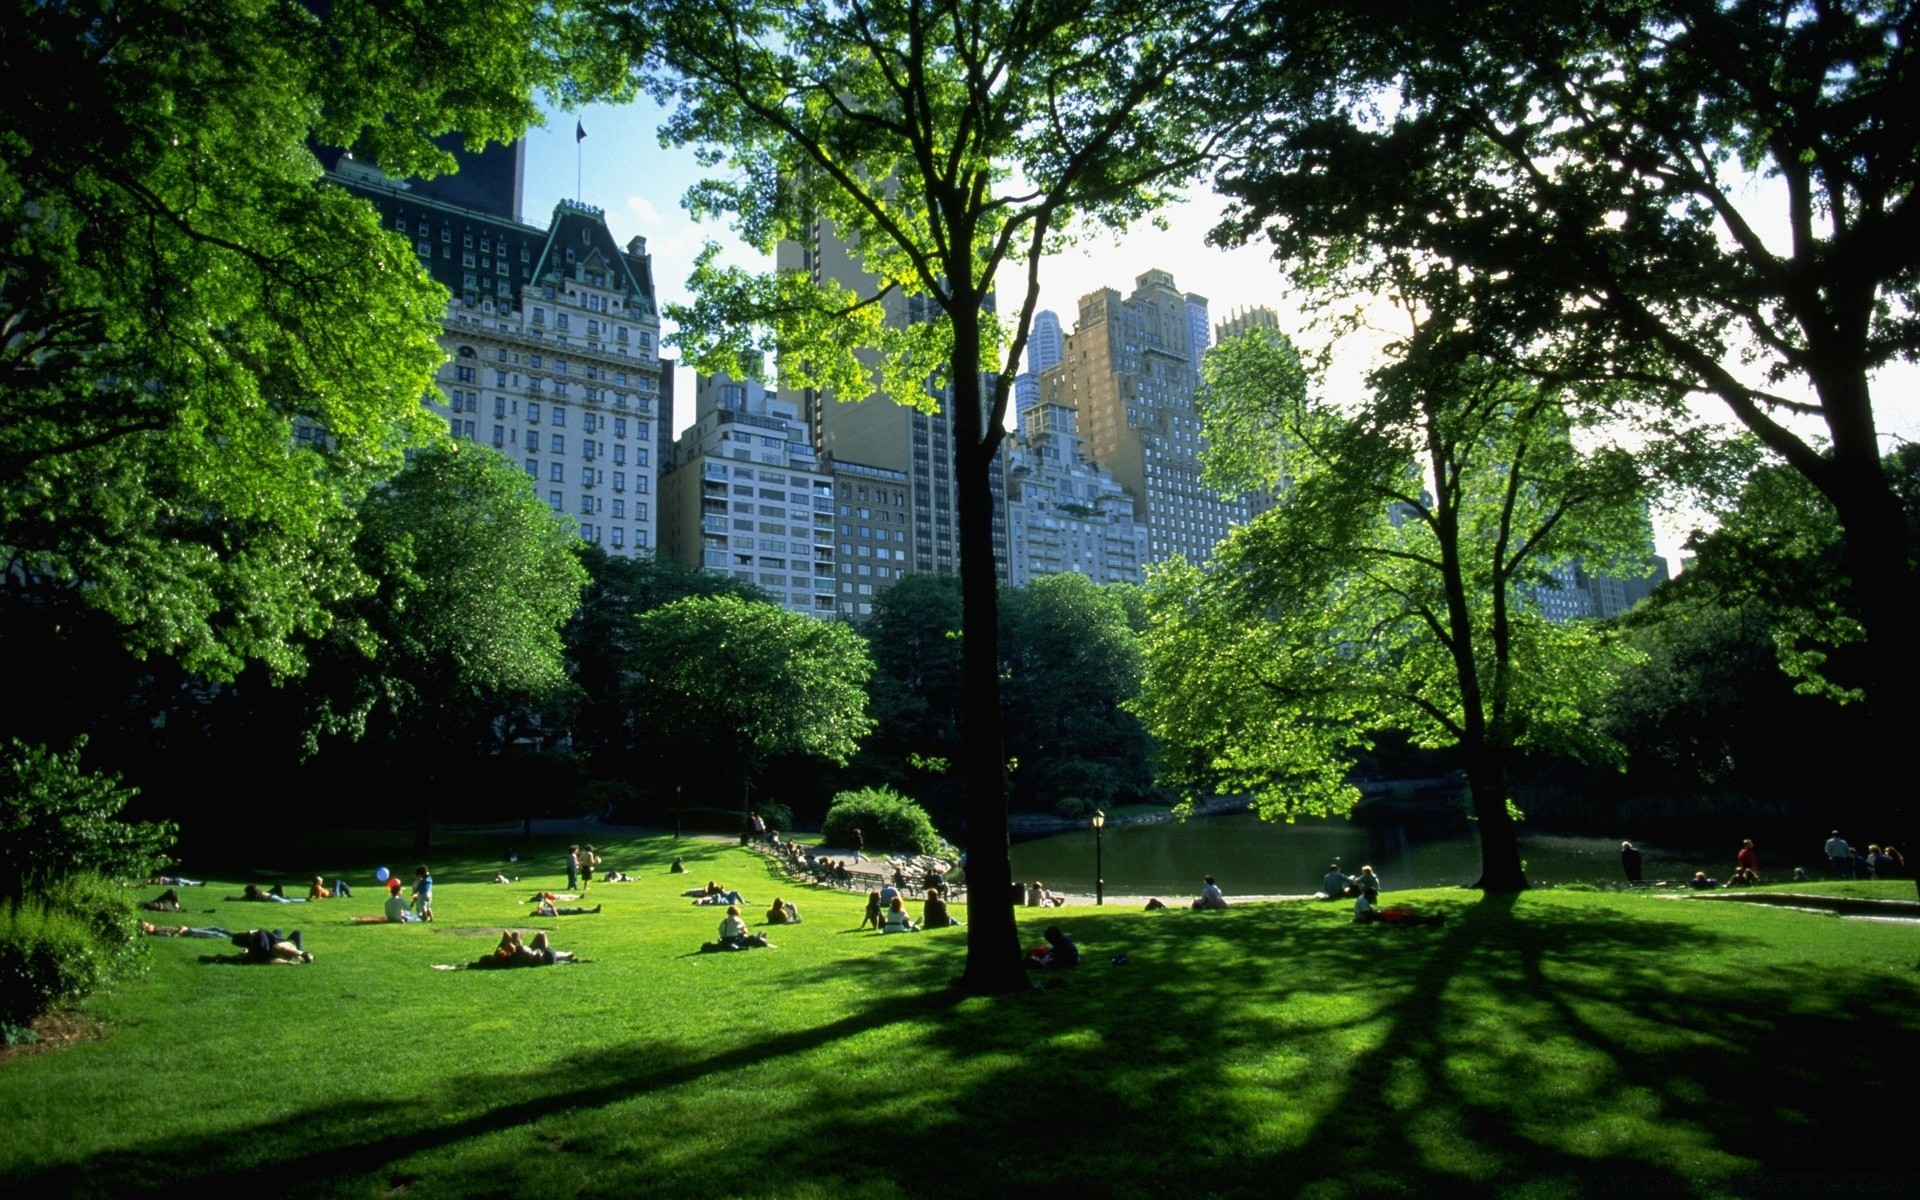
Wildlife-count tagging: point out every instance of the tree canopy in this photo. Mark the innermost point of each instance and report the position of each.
(1711, 197)
(1389, 586)
(742, 680)
(944, 140)
(179, 288)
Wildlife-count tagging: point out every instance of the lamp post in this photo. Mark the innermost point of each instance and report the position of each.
(1099, 884)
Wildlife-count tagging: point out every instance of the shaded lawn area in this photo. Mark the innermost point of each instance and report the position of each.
(1554, 1044)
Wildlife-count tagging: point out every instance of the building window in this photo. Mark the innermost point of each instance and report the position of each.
(557, 472)
(558, 443)
(559, 412)
(553, 501)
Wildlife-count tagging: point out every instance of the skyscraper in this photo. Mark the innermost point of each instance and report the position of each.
(876, 432)
(551, 336)
(1128, 369)
(747, 496)
(1045, 345)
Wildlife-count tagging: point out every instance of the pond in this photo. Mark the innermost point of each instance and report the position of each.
(1254, 857)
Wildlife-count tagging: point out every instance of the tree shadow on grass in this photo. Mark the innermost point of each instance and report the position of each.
(1266, 1050)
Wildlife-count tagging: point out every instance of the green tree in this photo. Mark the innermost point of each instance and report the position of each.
(178, 287)
(1711, 196)
(603, 638)
(743, 680)
(1389, 586)
(914, 636)
(1070, 662)
(475, 582)
(944, 139)
(58, 821)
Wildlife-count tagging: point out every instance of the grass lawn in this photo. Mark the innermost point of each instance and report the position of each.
(1558, 1043)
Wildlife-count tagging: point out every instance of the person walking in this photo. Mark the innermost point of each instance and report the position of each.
(859, 844)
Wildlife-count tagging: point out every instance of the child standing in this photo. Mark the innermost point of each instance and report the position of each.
(422, 893)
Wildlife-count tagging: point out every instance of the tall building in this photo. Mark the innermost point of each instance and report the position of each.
(551, 337)
(747, 496)
(877, 433)
(1045, 346)
(1577, 593)
(1198, 328)
(1128, 371)
(1063, 513)
(1247, 320)
(873, 511)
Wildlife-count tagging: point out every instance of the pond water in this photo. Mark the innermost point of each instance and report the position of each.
(1254, 857)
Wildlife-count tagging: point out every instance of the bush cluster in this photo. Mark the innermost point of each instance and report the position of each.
(81, 935)
(887, 821)
(66, 927)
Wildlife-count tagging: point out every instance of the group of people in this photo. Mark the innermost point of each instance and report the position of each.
(887, 911)
(1845, 862)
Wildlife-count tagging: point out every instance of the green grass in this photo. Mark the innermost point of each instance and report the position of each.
(1553, 1044)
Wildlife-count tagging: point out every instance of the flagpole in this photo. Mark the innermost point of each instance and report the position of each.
(579, 135)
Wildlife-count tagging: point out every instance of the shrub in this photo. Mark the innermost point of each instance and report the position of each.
(57, 820)
(58, 948)
(887, 820)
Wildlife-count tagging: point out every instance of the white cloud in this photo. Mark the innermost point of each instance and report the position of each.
(643, 208)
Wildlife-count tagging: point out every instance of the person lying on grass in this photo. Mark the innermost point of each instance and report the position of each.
(547, 908)
(167, 901)
(897, 919)
(174, 881)
(253, 892)
(620, 877)
(207, 931)
(512, 952)
(265, 947)
(551, 897)
(1367, 910)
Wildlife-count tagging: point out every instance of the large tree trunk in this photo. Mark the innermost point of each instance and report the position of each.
(993, 939)
(1878, 555)
(1500, 868)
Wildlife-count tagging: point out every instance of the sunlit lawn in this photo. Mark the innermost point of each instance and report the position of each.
(1558, 1044)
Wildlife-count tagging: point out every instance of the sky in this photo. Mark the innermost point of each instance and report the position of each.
(621, 167)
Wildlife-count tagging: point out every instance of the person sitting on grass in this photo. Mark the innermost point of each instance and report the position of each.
(1334, 884)
(897, 919)
(782, 913)
(1743, 877)
(512, 952)
(190, 931)
(1210, 896)
(1701, 881)
(935, 914)
(873, 914)
(398, 910)
(167, 901)
(1058, 953)
(320, 891)
(679, 866)
(548, 908)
